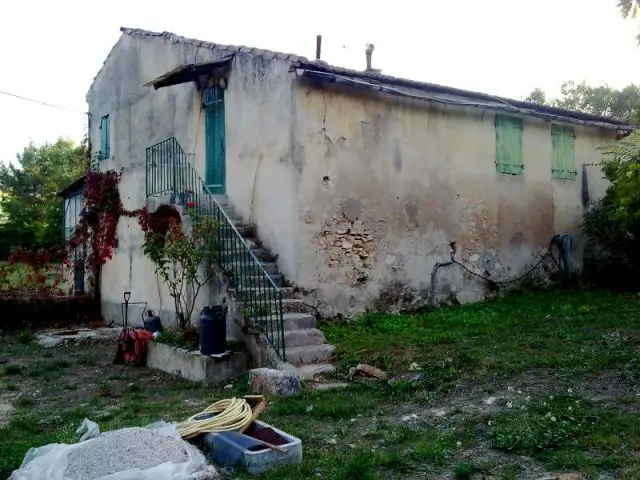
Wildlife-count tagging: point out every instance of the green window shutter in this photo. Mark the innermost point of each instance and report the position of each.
(105, 138)
(563, 157)
(509, 154)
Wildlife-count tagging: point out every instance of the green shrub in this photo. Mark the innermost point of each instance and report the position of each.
(554, 423)
(612, 225)
(12, 369)
(24, 402)
(464, 470)
(434, 450)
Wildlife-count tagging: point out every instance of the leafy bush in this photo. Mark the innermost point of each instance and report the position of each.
(612, 225)
(40, 312)
(182, 259)
(12, 369)
(19, 279)
(178, 339)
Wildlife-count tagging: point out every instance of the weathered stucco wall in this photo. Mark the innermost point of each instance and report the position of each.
(258, 111)
(385, 185)
(140, 117)
(258, 150)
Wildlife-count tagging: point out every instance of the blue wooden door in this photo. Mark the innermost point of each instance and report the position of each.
(214, 137)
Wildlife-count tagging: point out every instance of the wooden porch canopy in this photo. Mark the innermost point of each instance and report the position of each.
(188, 73)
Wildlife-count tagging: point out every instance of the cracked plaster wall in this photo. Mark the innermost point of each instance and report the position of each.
(354, 193)
(385, 185)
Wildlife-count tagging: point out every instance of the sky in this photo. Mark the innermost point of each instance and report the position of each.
(51, 50)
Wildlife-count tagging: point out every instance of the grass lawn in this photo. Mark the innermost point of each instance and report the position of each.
(520, 387)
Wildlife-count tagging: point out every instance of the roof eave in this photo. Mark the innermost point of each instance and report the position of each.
(387, 84)
(188, 73)
(73, 187)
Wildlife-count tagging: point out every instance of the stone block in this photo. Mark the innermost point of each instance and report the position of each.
(274, 382)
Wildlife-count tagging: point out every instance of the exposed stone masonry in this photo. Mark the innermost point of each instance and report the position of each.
(348, 244)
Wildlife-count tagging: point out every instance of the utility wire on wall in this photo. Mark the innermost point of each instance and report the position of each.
(20, 97)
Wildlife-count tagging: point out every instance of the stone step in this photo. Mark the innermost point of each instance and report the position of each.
(295, 305)
(268, 306)
(225, 232)
(235, 219)
(297, 321)
(257, 281)
(309, 354)
(292, 321)
(309, 372)
(229, 212)
(241, 266)
(306, 336)
(260, 293)
(261, 254)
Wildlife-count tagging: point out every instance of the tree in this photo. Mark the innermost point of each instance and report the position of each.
(601, 100)
(537, 96)
(630, 9)
(32, 212)
(613, 223)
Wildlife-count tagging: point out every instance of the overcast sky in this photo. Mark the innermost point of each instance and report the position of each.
(51, 50)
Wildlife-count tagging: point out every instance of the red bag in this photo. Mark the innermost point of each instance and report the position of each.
(132, 346)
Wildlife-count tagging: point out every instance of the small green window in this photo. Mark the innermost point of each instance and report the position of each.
(105, 138)
(563, 160)
(509, 156)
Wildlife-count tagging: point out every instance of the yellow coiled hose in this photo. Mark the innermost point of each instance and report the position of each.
(232, 414)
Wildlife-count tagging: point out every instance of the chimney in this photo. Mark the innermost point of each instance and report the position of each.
(369, 51)
(318, 46)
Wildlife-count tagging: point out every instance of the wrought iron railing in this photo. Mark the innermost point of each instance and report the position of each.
(170, 172)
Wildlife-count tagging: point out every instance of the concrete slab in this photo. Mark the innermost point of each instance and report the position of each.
(324, 387)
(195, 366)
(54, 338)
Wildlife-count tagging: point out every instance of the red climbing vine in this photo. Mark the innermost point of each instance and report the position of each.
(94, 236)
(98, 223)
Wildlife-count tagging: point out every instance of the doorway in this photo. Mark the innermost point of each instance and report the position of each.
(215, 172)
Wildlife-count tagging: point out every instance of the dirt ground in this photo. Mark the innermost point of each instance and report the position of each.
(57, 387)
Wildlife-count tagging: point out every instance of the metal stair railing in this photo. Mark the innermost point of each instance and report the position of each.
(170, 172)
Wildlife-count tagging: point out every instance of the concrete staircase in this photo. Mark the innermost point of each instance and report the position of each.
(306, 347)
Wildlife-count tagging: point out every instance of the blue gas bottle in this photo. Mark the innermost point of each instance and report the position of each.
(213, 330)
(152, 322)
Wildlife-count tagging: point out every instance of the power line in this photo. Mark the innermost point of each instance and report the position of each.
(41, 103)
